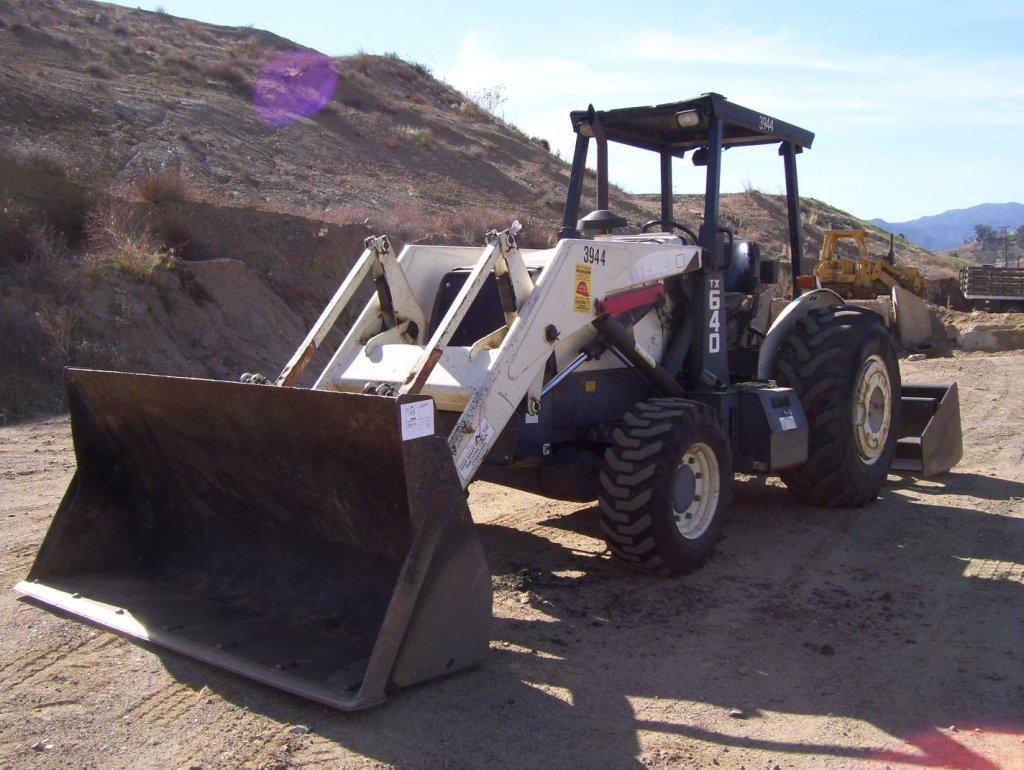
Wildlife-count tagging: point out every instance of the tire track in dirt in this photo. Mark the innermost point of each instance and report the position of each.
(323, 754)
(23, 669)
(19, 560)
(169, 703)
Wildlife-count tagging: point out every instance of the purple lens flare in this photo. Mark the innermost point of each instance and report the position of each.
(294, 85)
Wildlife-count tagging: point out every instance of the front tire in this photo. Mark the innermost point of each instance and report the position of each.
(666, 486)
(841, 362)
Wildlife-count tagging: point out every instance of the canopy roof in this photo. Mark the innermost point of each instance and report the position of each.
(657, 128)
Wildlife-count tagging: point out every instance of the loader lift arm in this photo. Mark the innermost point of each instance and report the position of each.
(540, 317)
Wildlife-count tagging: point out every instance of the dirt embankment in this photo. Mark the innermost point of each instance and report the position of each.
(978, 330)
(243, 300)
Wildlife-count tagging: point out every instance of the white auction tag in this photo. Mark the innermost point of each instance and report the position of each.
(417, 419)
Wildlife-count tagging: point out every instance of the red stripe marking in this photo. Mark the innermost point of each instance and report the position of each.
(628, 300)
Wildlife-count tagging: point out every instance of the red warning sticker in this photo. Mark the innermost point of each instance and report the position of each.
(581, 298)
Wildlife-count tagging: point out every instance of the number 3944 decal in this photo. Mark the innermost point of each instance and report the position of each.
(766, 124)
(593, 255)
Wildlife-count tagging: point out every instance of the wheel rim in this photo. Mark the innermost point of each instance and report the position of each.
(695, 491)
(872, 409)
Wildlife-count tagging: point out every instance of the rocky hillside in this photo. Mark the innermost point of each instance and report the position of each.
(116, 93)
(178, 197)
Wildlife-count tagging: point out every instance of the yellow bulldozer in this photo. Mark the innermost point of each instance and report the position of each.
(865, 277)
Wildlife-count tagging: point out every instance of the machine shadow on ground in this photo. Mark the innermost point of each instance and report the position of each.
(865, 614)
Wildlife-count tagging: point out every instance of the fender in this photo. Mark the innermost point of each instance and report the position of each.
(784, 324)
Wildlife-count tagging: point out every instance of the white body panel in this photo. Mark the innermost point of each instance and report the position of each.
(487, 382)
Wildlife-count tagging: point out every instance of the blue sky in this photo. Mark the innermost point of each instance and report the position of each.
(918, 106)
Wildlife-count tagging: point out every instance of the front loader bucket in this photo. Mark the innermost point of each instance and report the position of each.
(930, 439)
(318, 542)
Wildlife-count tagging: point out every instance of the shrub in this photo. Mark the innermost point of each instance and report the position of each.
(490, 99)
(422, 136)
(233, 76)
(167, 186)
(362, 62)
(123, 244)
(404, 220)
(469, 225)
(16, 236)
(348, 214)
(58, 325)
(176, 234)
(421, 69)
(180, 63)
(349, 91)
(98, 70)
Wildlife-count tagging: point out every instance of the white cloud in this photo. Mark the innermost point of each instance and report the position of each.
(885, 119)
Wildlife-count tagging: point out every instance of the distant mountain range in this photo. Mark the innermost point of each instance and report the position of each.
(950, 229)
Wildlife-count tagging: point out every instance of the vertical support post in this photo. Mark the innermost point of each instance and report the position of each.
(602, 165)
(709, 230)
(666, 187)
(709, 364)
(572, 197)
(789, 151)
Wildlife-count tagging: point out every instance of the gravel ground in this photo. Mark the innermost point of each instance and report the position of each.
(880, 637)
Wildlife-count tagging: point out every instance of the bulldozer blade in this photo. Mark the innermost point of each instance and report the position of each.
(930, 439)
(317, 542)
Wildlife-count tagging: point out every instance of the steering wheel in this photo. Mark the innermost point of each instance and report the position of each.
(672, 224)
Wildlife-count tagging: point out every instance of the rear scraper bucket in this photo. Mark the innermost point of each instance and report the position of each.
(313, 541)
(930, 439)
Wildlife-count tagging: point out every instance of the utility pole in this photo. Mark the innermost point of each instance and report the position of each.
(1006, 246)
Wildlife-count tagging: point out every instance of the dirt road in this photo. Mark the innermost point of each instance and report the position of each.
(887, 636)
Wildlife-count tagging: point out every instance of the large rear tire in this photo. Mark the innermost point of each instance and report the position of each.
(841, 362)
(666, 486)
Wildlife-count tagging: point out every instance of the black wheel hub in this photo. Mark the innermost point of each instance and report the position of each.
(683, 487)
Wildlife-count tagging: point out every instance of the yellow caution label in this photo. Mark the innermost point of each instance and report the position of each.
(581, 297)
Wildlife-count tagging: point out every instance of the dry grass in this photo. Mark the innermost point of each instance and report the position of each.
(351, 92)
(469, 225)
(176, 234)
(17, 234)
(166, 186)
(407, 220)
(361, 63)
(123, 244)
(348, 214)
(238, 81)
(422, 136)
(180, 63)
(58, 325)
(98, 70)
(30, 237)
